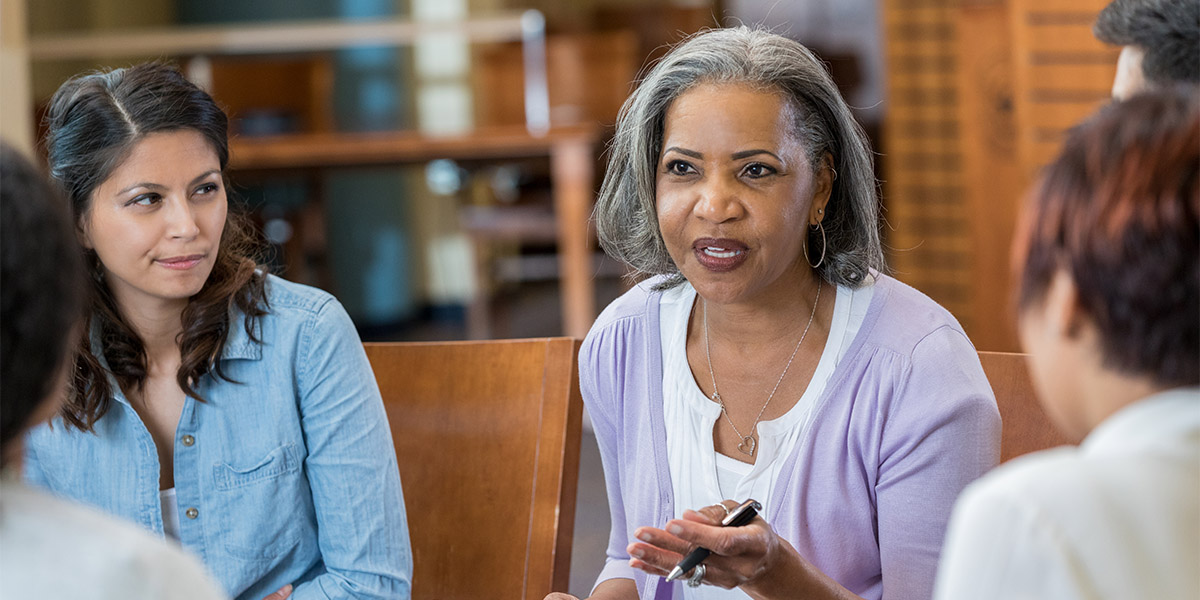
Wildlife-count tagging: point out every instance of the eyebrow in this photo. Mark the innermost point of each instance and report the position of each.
(691, 153)
(749, 153)
(736, 155)
(156, 186)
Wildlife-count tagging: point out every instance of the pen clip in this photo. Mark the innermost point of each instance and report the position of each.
(744, 513)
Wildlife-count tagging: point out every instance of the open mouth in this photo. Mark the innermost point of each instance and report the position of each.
(719, 255)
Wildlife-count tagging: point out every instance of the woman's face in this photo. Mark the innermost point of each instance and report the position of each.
(156, 222)
(735, 192)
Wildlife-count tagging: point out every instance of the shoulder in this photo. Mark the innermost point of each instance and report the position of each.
(633, 304)
(112, 558)
(622, 345)
(902, 319)
(1031, 484)
(291, 296)
(634, 313)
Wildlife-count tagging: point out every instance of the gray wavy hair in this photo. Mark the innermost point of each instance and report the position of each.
(625, 215)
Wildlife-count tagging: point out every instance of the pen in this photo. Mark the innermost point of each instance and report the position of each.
(743, 514)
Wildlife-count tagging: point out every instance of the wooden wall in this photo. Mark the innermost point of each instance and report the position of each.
(980, 92)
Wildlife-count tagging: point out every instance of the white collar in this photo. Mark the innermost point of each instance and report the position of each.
(1156, 421)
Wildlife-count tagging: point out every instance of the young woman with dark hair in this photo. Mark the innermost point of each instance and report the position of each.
(1108, 261)
(211, 402)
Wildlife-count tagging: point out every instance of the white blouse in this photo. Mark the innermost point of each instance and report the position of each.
(699, 475)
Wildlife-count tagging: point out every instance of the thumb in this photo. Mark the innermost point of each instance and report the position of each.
(281, 594)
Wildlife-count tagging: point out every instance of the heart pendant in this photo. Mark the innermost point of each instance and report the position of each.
(747, 445)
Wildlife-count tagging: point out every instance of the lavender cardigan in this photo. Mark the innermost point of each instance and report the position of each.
(906, 421)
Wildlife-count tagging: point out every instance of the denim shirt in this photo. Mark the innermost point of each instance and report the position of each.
(288, 476)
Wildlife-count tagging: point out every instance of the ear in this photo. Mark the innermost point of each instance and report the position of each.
(1064, 315)
(83, 234)
(822, 189)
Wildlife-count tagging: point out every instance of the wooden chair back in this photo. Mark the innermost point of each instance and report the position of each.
(1025, 426)
(487, 439)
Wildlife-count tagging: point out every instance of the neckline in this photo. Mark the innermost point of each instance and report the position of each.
(697, 400)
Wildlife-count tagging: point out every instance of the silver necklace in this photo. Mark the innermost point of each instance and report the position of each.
(748, 442)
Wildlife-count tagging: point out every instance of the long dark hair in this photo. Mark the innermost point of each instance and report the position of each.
(93, 123)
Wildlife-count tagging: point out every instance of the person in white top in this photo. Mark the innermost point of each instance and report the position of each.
(1108, 256)
(49, 548)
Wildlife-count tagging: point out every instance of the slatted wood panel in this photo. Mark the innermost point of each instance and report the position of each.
(929, 247)
(980, 94)
(1062, 73)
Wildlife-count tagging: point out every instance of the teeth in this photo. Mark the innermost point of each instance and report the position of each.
(721, 252)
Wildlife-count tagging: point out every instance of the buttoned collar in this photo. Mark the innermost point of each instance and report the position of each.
(238, 344)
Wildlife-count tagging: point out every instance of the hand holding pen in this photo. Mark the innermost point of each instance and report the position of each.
(738, 553)
(738, 517)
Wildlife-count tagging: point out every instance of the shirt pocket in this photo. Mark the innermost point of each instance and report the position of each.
(266, 505)
(279, 461)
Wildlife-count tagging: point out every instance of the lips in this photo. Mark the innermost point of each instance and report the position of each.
(719, 254)
(181, 263)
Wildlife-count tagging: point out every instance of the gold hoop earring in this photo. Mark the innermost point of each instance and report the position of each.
(819, 227)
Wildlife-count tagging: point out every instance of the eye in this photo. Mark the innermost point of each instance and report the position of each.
(207, 188)
(144, 200)
(679, 167)
(758, 170)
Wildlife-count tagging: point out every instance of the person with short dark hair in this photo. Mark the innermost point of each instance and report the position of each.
(767, 355)
(1160, 42)
(211, 402)
(50, 548)
(1108, 261)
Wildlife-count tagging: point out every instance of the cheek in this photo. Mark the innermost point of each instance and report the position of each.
(214, 219)
(672, 215)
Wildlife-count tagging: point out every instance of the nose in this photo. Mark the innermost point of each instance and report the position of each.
(181, 221)
(718, 200)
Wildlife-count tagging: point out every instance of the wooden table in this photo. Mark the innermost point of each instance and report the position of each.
(571, 153)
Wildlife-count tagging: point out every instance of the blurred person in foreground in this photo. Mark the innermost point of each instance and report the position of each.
(1108, 261)
(1159, 39)
(50, 548)
(768, 356)
(212, 402)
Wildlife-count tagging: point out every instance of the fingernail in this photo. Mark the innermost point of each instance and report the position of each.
(637, 552)
(644, 536)
(675, 529)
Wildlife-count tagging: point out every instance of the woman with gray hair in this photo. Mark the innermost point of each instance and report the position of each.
(768, 356)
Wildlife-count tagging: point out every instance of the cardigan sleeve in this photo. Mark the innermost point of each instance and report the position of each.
(942, 431)
(600, 359)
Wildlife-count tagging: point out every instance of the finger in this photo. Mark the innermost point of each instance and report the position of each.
(560, 596)
(648, 568)
(726, 541)
(281, 594)
(710, 515)
(662, 539)
(653, 556)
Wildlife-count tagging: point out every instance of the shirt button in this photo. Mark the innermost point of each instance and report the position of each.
(188, 440)
(192, 513)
